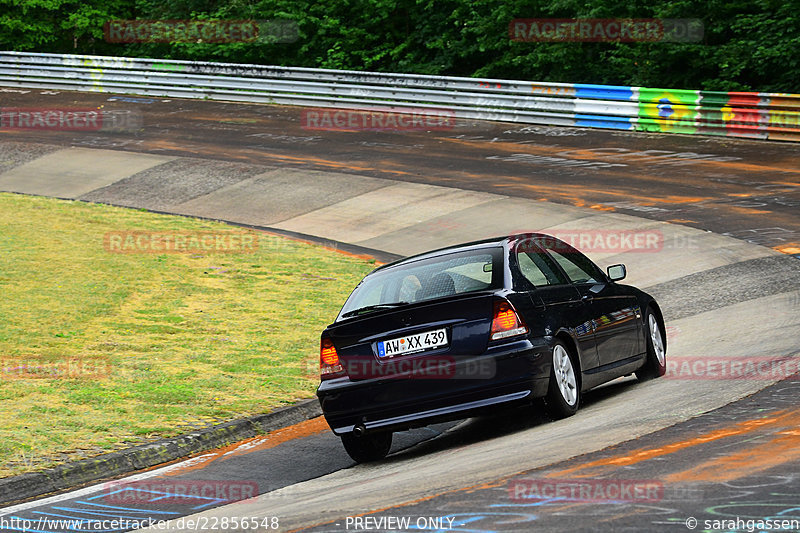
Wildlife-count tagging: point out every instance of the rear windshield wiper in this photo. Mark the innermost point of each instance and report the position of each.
(373, 308)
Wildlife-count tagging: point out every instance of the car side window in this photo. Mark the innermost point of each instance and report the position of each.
(577, 267)
(538, 269)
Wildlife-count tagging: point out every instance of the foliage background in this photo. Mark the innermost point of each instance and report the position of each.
(748, 44)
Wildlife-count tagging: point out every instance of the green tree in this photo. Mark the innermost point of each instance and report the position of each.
(747, 44)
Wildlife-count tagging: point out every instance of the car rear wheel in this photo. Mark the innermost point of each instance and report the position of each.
(563, 394)
(655, 364)
(367, 448)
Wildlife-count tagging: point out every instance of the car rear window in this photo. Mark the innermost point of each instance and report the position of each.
(428, 279)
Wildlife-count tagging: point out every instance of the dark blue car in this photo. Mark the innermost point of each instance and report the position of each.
(455, 332)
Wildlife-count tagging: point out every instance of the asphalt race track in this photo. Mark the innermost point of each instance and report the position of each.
(747, 189)
(706, 448)
(718, 466)
(702, 469)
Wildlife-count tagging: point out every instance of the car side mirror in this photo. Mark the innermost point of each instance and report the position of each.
(617, 272)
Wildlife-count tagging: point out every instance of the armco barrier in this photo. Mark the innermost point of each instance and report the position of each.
(737, 114)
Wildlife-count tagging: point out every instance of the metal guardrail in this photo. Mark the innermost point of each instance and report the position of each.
(738, 114)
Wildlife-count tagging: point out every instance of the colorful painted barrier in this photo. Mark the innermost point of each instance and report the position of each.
(772, 116)
(736, 114)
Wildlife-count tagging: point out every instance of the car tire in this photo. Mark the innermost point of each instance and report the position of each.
(367, 448)
(563, 392)
(655, 364)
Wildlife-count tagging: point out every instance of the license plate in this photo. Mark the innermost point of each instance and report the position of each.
(412, 343)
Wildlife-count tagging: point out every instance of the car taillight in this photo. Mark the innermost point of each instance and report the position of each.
(328, 359)
(506, 322)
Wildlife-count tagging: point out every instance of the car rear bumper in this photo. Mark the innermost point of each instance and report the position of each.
(521, 371)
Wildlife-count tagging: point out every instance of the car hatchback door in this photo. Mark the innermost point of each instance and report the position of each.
(558, 300)
(616, 315)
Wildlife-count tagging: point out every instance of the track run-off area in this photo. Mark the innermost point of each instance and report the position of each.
(725, 271)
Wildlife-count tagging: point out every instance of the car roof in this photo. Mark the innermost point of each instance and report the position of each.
(474, 245)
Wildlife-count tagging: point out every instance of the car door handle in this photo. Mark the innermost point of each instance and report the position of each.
(587, 297)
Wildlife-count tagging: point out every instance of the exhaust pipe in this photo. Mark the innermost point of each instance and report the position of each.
(359, 430)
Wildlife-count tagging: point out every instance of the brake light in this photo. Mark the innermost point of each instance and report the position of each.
(328, 358)
(506, 322)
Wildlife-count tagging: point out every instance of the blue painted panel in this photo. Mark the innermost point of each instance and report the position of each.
(603, 92)
(601, 121)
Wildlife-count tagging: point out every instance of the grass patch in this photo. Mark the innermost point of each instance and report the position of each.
(102, 350)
